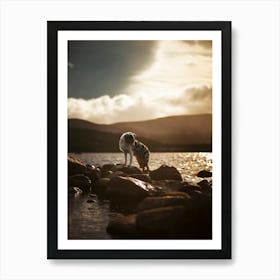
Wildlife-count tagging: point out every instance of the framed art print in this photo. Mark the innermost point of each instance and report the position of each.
(139, 140)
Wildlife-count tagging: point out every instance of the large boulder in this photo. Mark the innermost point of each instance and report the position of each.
(163, 201)
(115, 174)
(164, 222)
(166, 172)
(100, 186)
(75, 166)
(204, 174)
(81, 181)
(142, 177)
(127, 189)
(172, 185)
(201, 223)
(108, 169)
(130, 170)
(123, 227)
(177, 194)
(191, 220)
(117, 167)
(189, 188)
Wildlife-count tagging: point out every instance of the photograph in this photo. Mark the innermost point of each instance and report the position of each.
(139, 139)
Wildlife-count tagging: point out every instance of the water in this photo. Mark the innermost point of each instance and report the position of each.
(89, 220)
(188, 164)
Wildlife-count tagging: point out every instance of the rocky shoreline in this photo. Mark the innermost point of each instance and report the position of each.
(158, 205)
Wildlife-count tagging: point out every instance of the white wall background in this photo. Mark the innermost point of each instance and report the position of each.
(255, 139)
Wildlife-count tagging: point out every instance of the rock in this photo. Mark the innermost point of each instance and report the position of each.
(200, 226)
(142, 177)
(171, 185)
(109, 169)
(123, 227)
(75, 166)
(202, 201)
(126, 188)
(81, 181)
(90, 167)
(115, 174)
(193, 220)
(177, 194)
(165, 222)
(131, 170)
(166, 173)
(90, 201)
(105, 168)
(163, 201)
(108, 174)
(77, 190)
(175, 185)
(204, 174)
(188, 188)
(93, 174)
(194, 193)
(205, 186)
(100, 186)
(117, 167)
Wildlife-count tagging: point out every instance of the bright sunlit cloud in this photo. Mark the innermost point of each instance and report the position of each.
(179, 81)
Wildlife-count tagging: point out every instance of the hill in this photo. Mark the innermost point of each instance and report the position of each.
(175, 133)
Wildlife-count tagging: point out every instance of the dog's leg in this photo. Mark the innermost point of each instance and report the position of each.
(131, 155)
(125, 156)
(148, 170)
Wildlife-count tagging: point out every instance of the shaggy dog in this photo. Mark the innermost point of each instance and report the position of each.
(126, 144)
(142, 154)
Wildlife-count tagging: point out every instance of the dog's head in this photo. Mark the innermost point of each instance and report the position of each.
(129, 137)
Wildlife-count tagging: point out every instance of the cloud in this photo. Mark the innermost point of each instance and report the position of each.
(123, 108)
(176, 66)
(177, 82)
(207, 44)
(195, 100)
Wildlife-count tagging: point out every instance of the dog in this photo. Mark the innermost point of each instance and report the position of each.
(126, 143)
(142, 154)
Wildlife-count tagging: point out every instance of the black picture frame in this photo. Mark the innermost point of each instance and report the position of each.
(52, 83)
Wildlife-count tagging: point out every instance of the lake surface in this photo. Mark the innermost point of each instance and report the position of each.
(89, 220)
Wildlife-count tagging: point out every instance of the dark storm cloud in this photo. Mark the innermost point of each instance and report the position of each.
(96, 68)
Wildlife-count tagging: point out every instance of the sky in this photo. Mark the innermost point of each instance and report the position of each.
(120, 81)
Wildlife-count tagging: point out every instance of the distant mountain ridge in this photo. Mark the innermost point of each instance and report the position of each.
(174, 133)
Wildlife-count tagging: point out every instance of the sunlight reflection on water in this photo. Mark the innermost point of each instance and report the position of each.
(188, 164)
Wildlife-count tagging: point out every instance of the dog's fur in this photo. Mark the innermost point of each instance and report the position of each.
(126, 144)
(142, 154)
